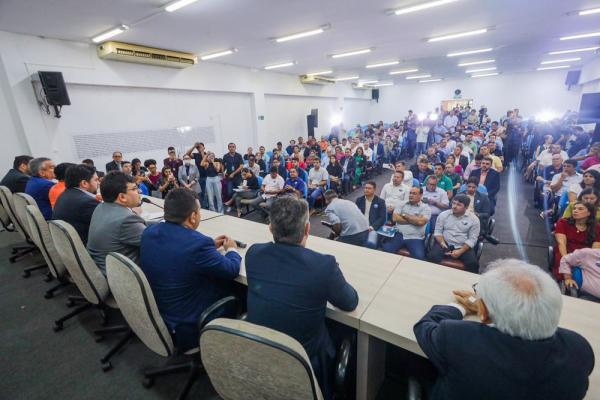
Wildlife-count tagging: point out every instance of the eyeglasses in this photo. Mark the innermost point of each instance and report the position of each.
(136, 188)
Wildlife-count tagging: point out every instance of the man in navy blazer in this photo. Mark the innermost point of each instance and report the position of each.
(517, 351)
(78, 202)
(376, 213)
(185, 269)
(289, 287)
(16, 178)
(491, 180)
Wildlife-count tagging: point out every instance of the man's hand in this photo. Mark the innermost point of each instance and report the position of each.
(371, 229)
(444, 244)
(570, 282)
(454, 253)
(219, 241)
(468, 300)
(229, 243)
(390, 208)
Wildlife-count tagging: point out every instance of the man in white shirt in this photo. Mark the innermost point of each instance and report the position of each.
(368, 151)
(317, 182)
(395, 192)
(545, 157)
(561, 182)
(436, 198)
(422, 136)
(451, 121)
(400, 166)
(272, 185)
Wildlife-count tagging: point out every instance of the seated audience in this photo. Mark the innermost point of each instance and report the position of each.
(348, 222)
(38, 186)
(59, 187)
(167, 182)
(395, 192)
(443, 181)
(479, 204)
(579, 269)
(489, 178)
(172, 161)
(294, 185)
(374, 209)
(247, 190)
(589, 196)
(185, 269)
(473, 166)
(456, 234)
(454, 177)
(496, 162)
(411, 218)
(153, 174)
(421, 169)
(317, 183)
(114, 225)
(335, 172)
(78, 202)
(127, 168)
(348, 164)
(436, 198)
(16, 178)
(590, 179)
(292, 296)
(272, 186)
(400, 166)
(252, 165)
(593, 158)
(576, 232)
(115, 164)
(517, 351)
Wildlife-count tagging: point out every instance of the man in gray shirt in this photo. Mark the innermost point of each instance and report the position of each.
(456, 233)
(348, 222)
(435, 197)
(411, 219)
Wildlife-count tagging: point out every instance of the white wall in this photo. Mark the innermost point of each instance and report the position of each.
(531, 93)
(109, 97)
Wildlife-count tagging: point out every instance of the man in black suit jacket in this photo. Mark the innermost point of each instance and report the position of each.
(17, 177)
(377, 212)
(78, 202)
(289, 286)
(115, 164)
(523, 355)
(491, 181)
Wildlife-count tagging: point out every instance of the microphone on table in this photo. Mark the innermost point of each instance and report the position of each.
(147, 200)
(239, 244)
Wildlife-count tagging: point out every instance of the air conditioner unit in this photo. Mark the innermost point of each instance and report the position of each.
(360, 86)
(316, 80)
(145, 55)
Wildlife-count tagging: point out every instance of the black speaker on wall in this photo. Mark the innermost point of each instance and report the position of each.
(375, 95)
(55, 90)
(572, 78)
(310, 124)
(315, 113)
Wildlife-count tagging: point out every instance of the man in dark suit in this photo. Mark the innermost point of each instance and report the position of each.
(185, 269)
(38, 186)
(491, 179)
(463, 161)
(289, 286)
(378, 153)
(78, 202)
(115, 164)
(421, 169)
(517, 351)
(17, 177)
(376, 212)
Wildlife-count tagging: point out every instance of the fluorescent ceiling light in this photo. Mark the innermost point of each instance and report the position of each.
(382, 84)
(457, 35)
(482, 75)
(367, 82)
(560, 61)
(423, 6)
(467, 52)
(430, 80)
(346, 78)
(176, 5)
(303, 34)
(470, 71)
(351, 53)
(591, 11)
(467, 64)
(419, 76)
(320, 73)
(385, 64)
(554, 53)
(282, 65)
(404, 71)
(219, 54)
(581, 36)
(555, 67)
(107, 35)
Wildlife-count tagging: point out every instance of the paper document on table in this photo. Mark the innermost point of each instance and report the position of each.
(152, 215)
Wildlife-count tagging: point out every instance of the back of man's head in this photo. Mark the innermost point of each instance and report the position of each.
(330, 195)
(77, 173)
(61, 169)
(35, 165)
(20, 160)
(180, 203)
(522, 300)
(113, 184)
(289, 216)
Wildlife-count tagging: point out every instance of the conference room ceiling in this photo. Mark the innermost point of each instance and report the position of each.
(520, 32)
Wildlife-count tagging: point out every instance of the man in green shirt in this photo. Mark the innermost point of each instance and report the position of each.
(455, 178)
(444, 182)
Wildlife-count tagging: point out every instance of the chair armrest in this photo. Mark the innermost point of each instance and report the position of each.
(225, 307)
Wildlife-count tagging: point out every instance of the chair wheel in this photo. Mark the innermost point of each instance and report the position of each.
(70, 303)
(147, 382)
(99, 339)
(26, 274)
(14, 251)
(107, 366)
(57, 327)
(48, 295)
(13, 259)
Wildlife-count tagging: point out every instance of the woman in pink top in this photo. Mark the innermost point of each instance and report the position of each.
(588, 260)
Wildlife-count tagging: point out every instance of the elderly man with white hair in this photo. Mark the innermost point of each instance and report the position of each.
(517, 351)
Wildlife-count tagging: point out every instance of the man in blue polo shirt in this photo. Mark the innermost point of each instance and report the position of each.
(295, 185)
(38, 186)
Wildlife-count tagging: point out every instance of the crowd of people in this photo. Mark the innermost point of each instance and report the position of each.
(437, 207)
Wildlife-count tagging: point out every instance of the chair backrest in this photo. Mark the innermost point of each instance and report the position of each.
(21, 201)
(260, 180)
(133, 294)
(268, 364)
(4, 218)
(6, 197)
(81, 267)
(40, 234)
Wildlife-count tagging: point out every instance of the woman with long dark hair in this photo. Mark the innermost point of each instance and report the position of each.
(591, 179)
(589, 196)
(334, 169)
(576, 232)
(361, 165)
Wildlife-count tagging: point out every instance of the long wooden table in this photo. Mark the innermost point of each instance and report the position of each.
(152, 210)
(412, 289)
(365, 269)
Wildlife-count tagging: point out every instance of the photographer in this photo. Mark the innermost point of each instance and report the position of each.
(167, 182)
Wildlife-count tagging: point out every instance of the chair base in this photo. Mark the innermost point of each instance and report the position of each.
(105, 361)
(21, 252)
(59, 323)
(50, 292)
(194, 368)
(27, 271)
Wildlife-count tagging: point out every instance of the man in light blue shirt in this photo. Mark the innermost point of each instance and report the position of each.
(349, 223)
